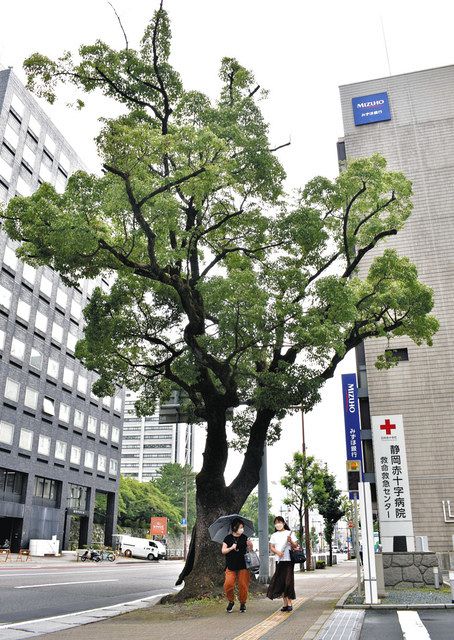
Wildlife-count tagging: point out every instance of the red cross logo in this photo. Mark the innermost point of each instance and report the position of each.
(388, 427)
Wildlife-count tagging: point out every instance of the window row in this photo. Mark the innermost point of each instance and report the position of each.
(61, 449)
(31, 401)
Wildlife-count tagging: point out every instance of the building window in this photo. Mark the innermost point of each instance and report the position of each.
(107, 401)
(34, 126)
(113, 467)
(7, 154)
(31, 141)
(17, 348)
(46, 286)
(47, 160)
(82, 384)
(6, 432)
(77, 497)
(52, 368)
(57, 332)
(102, 466)
(25, 172)
(3, 191)
(12, 389)
(26, 439)
(49, 406)
(2, 339)
(117, 403)
(75, 455)
(12, 485)
(31, 398)
(78, 419)
(14, 122)
(46, 490)
(76, 309)
(62, 298)
(64, 411)
(29, 273)
(401, 355)
(5, 297)
(60, 450)
(92, 424)
(104, 430)
(23, 310)
(71, 341)
(68, 376)
(10, 258)
(41, 322)
(44, 445)
(89, 459)
(115, 434)
(36, 359)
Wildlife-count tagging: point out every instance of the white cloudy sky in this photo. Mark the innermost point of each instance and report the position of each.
(300, 50)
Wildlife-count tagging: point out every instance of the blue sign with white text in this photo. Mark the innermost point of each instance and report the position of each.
(372, 108)
(351, 416)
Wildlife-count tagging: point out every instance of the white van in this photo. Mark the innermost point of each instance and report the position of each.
(142, 548)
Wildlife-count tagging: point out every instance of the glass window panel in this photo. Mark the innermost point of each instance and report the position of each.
(5, 297)
(12, 389)
(78, 418)
(36, 358)
(76, 309)
(52, 368)
(62, 298)
(63, 412)
(60, 450)
(57, 332)
(17, 348)
(31, 398)
(104, 430)
(82, 384)
(6, 432)
(2, 339)
(68, 376)
(102, 463)
(106, 401)
(23, 310)
(29, 273)
(115, 434)
(44, 445)
(46, 286)
(89, 459)
(117, 403)
(34, 125)
(75, 455)
(41, 321)
(113, 466)
(17, 105)
(26, 439)
(11, 136)
(92, 424)
(49, 406)
(10, 258)
(71, 341)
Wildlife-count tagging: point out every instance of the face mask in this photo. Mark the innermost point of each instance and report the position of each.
(241, 530)
(279, 526)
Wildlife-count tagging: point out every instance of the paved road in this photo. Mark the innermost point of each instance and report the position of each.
(39, 593)
(425, 624)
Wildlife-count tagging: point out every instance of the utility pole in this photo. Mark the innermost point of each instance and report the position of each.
(264, 571)
(307, 533)
(185, 544)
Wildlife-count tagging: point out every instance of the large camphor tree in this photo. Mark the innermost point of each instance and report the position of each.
(225, 287)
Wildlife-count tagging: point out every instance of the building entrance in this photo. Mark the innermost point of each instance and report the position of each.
(11, 531)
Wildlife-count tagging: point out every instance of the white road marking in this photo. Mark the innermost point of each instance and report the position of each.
(72, 573)
(59, 584)
(412, 626)
(80, 613)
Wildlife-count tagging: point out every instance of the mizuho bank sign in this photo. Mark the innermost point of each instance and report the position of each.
(372, 108)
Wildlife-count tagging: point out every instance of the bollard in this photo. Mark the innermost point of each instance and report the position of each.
(451, 580)
(436, 578)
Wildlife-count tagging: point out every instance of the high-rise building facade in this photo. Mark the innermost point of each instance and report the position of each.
(59, 443)
(409, 119)
(149, 442)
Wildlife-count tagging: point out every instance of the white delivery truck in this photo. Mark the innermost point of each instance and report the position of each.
(141, 548)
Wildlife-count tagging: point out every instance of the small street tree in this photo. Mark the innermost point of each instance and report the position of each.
(330, 505)
(224, 286)
(250, 510)
(302, 477)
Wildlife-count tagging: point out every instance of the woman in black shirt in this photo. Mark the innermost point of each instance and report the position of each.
(234, 547)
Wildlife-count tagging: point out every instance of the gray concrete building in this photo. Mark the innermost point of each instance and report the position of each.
(417, 138)
(59, 444)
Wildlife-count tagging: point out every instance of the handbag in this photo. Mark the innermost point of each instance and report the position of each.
(252, 561)
(297, 556)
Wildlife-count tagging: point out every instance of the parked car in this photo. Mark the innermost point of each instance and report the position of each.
(142, 548)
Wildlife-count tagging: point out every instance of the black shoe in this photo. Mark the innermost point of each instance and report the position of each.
(242, 607)
(230, 607)
(284, 609)
(289, 608)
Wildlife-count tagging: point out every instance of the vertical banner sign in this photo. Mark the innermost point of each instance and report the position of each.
(391, 474)
(352, 427)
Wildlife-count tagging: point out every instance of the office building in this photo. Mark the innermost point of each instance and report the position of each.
(409, 119)
(59, 444)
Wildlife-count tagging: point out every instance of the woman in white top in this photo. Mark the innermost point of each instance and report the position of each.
(282, 584)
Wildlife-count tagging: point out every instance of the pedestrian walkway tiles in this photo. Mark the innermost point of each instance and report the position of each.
(269, 623)
(341, 625)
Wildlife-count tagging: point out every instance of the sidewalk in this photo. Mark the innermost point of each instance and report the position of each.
(317, 593)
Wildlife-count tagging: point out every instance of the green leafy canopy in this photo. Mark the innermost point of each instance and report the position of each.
(225, 286)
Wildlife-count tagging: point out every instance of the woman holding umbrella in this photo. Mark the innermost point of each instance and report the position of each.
(234, 546)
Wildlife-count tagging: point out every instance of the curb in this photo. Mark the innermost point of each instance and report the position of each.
(394, 607)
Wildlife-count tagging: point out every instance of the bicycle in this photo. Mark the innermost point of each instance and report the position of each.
(107, 555)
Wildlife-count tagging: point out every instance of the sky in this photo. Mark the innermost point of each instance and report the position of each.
(300, 51)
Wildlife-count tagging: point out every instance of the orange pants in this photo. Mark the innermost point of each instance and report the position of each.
(244, 577)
